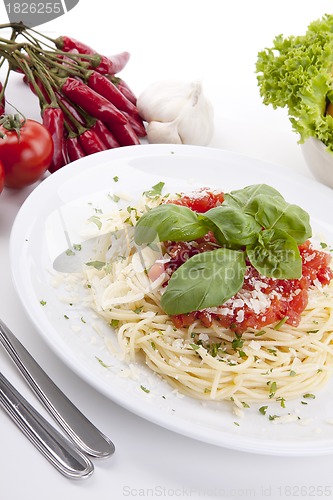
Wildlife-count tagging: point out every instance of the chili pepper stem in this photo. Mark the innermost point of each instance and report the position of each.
(40, 34)
(44, 80)
(31, 39)
(2, 93)
(32, 80)
(16, 26)
(53, 62)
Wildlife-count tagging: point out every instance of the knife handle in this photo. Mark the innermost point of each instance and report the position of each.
(84, 434)
(60, 452)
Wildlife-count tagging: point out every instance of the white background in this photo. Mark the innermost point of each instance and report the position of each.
(217, 42)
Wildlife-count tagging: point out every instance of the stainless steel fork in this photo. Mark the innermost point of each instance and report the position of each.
(81, 431)
(60, 452)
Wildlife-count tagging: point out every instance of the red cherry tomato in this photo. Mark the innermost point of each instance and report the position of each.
(25, 155)
(2, 176)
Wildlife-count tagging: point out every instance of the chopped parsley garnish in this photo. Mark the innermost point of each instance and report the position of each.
(272, 389)
(114, 197)
(282, 402)
(130, 210)
(155, 190)
(138, 310)
(101, 362)
(280, 323)
(96, 220)
(144, 389)
(195, 347)
(97, 264)
(309, 396)
(237, 343)
(214, 348)
(263, 410)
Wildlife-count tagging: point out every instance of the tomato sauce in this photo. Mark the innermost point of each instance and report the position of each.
(261, 301)
(202, 200)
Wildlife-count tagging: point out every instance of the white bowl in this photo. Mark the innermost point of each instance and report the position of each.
(319, 160)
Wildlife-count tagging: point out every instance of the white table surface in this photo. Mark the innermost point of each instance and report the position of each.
(215, 41)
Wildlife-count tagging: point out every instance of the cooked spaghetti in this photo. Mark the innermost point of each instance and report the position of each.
(208, 360)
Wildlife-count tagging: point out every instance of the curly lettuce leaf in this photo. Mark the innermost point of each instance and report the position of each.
(296, 73)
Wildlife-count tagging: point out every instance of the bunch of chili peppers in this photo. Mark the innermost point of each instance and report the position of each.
(83, 103)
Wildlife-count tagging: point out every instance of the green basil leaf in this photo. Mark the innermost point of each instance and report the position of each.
(276, 255)
(244, 197)
(271, 210)
(205, 280)
(235, 227)
(169, 222)
(277, 213)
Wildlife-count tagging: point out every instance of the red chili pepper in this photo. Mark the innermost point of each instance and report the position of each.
(124, 134)
(2, 100)
(124, 88)
(107, 89)
(91, 143)
(17, 69)
(106, 65)
(112, 64)
(67, 44)
(92, 102)
(66, 60)
(40, 86)
(70, 108)
(26, 81)
(137, 124)
(105, 135)
(74, 149)
(53, 120)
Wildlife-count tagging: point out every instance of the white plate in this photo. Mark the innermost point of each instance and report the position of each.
(63, 202)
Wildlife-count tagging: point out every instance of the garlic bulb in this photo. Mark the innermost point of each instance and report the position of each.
(163, 132)
(177, 113)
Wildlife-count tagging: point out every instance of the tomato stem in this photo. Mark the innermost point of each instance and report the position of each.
(12, 122)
